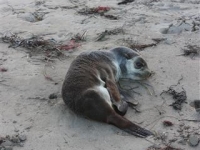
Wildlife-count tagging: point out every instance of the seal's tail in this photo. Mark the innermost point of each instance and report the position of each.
(128, 126)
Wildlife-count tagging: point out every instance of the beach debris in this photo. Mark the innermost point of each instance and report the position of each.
(95, 10)
(176, 29)
(71, 45)
(167, 123)
(53, 96)
(32, 17)
(38, 98)
(179, 97)
(188, 134)
(38, 2)
(162, 136)
(47, 77)
(193, 140)
(158, 40)
(62, 7)
(102, 36)
(195, 26)
(79, 37)
(196, 104)
(2, 69)
(182, 142)
(101, 9)
(191, 50)
(167, 147)
(124, 2)
(9, 142)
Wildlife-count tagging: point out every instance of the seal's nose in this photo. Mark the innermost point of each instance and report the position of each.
(150, 73)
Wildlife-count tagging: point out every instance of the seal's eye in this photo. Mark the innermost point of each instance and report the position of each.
(139, 65)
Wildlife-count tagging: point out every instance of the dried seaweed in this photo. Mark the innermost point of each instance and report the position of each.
(191, 50)
(179, 97)
(38, 45)
(98, 11)
(29, 43)
(103, 35)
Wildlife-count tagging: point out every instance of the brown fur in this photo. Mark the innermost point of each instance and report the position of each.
(97, 69)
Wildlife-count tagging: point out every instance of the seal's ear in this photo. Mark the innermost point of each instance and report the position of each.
(129, 55)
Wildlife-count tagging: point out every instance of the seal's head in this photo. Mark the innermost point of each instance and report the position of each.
(132, 65)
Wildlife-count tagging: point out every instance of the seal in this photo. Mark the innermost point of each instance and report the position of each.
(90, 86)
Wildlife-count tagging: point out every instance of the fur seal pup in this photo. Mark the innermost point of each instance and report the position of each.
(90, 86)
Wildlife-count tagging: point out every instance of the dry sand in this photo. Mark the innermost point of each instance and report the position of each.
(25, 107)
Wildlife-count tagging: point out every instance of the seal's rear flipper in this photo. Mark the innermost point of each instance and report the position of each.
(128, 126)
(139, 132)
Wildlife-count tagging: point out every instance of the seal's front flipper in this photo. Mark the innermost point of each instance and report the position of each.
(120, 107)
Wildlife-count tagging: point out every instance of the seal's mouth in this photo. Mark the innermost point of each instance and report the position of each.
(143, 75)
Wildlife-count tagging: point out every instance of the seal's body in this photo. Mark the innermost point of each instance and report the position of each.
(90, 86)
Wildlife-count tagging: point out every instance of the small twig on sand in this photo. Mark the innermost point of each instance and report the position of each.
(47, 77)
(111, 17)
(102, 36)
(179, 81)
(125, 2)
(192, 120)
(45, 74)
(167, 147)
(141, 46)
